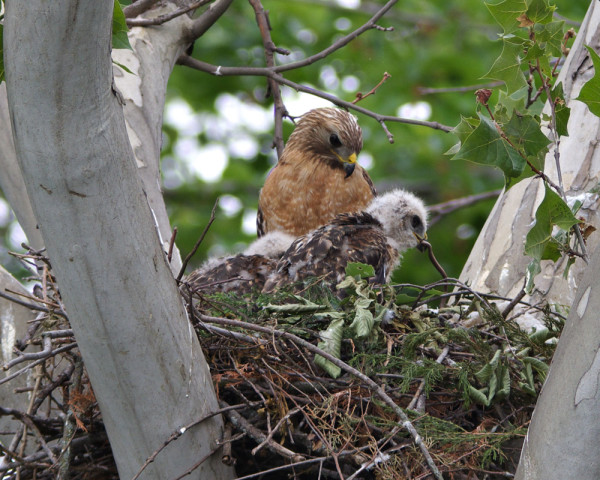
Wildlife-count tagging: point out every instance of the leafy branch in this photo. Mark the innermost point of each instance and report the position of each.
(509, 134)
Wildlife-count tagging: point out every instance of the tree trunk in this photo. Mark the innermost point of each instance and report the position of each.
(497, 263)
(142, 356)
(562, 441)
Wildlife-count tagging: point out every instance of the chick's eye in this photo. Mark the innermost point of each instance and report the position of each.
(416, 222)
(334, 140)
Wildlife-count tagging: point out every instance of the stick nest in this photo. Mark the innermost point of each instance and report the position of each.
(363, 383)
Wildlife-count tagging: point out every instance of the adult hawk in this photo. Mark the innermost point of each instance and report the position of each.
(390, 225)
(317, 176)
(241, 273)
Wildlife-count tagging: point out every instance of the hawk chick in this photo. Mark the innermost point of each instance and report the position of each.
(317, 176)
(244, 272)
(390, 225)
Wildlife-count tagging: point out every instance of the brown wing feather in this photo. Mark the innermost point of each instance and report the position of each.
(326, 252)
(240, 273)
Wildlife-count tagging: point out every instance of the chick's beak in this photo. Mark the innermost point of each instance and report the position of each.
(422, 244)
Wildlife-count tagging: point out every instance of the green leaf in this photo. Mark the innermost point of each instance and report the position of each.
(507, 12)
(507, 104)
(363, 322)
(507, 67)
(485, 146)
(503, 387)
(550, 36)
(478, 396)
(485, 373)
(524, 131)
(361, 270)
(552, 211)
(331, 342)
(119, 28)
(590, 92)
(561, 110)
(540, 11)
(533, 269)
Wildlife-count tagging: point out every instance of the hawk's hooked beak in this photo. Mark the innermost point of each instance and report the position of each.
(349, 163)
(422, 244)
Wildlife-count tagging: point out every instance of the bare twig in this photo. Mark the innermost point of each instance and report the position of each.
(441, 209)
(240, 422)
(272, 73)
(64, 348)
(145, 22)
(200, 240)
(419, 391)
(69, 427)
(406, 423)
(513, 303)
(360, 96)
(467, 89)
(178, 433)
(262, 20)
(32, 306)
(171, 244)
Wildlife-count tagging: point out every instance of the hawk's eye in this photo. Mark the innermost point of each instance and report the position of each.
(335, 140)
(416, 222)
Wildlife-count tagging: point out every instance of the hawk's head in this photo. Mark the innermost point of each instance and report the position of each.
(403, 216)
(331, 135)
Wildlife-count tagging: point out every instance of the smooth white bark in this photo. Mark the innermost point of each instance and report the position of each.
(562, 441)
(142, 356)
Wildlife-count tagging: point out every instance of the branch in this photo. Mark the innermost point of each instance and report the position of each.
(138, 8)
(469, 88)
(200, 240)
(360, 96)
(207, 19)
(272, 73)
(406, 423)
(264, 26)
(145, 22)
(441, 209)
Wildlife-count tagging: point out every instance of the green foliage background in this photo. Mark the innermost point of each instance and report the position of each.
(434, 44)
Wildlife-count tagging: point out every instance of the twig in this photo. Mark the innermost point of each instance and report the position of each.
(32, 306)
(262, 20)
(62, 349)
(360, 96)
(513, 303)
(419, 391)
(171, 244)
(178, 433)
(200, 240)
(470, 88)
(272, 73)
(69, 426)
(44, 353)
(406, 423)
(560, 188)
(441, 209)
(240, 422)
(145, 22)
(269, 437)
